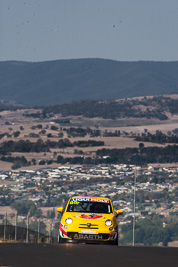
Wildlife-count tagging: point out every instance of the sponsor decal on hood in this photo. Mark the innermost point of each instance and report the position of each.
(89, 216)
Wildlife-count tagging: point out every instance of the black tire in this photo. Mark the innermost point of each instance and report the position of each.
(58, 238)
(116, 241)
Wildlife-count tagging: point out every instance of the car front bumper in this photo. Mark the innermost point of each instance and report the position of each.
(75, 237)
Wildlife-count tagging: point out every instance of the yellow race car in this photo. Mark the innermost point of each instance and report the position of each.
(89, 220)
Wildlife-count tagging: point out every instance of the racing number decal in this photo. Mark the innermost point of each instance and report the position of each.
(74, 202)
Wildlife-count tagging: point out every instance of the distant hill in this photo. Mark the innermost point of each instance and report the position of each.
(156, 107)
(64, 81)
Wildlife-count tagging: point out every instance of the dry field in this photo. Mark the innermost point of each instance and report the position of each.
(10, 211)
(11, 121)
(7, 209)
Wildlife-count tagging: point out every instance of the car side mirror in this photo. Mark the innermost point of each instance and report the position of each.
(61, 209)
(119, 212)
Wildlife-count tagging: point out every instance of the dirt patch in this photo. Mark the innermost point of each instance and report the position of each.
(173, 244)
(7, 209)
(46, 209)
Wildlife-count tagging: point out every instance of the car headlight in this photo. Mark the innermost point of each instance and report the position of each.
(108, 222)
(69, 221)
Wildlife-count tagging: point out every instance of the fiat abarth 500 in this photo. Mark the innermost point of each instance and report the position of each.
(89, 220)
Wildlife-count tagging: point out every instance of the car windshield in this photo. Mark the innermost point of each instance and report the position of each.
(89, 207)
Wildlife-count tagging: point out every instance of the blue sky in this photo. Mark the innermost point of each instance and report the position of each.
(124, 30)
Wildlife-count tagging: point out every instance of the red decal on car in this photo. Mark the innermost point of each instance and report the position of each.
(90, 216)
(62, 229)
(99, 200)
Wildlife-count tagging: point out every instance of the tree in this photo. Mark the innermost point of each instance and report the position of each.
(16, 134)
(26, 207)
(141, 145)
(42, 162)
(54, 128)
(60, 159)
(33, 161)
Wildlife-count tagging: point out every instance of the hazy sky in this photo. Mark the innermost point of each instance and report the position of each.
(124, 30)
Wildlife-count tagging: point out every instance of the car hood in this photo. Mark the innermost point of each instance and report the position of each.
(82, 218)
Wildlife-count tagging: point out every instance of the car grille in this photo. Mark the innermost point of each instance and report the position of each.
(88, 226)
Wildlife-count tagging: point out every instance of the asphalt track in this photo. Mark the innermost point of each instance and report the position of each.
(74, 255)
